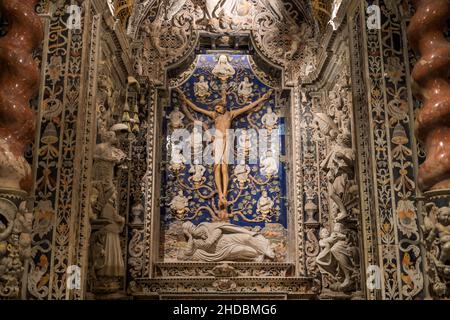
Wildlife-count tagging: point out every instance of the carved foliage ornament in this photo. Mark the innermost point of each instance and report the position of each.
(168, 31)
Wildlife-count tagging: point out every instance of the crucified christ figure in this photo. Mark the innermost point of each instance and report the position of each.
(222, 121)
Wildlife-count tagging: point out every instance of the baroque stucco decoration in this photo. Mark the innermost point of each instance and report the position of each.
(339, 256)
(355, 204)
(164, 32)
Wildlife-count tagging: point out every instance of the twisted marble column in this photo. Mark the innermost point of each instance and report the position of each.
(430, 74)
(19, 83)
(19, 80)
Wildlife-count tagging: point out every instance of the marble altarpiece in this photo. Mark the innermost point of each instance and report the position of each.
(343, 203)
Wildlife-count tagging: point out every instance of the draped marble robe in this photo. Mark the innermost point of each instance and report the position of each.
(214, 242)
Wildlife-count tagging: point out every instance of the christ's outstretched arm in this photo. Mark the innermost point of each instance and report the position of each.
(236, 113)
(191, 105)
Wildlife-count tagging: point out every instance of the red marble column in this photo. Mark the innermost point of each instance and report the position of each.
(430, 74)
(19, 83)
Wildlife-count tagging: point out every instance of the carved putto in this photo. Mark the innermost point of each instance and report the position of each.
(201, 88)
(176, 118)
(245, 89)
(15, 241)
(179, 205)
(269, 165)
(437, 241)
(270, 120)
(265, 205)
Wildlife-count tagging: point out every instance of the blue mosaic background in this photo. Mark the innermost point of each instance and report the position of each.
(246, 203)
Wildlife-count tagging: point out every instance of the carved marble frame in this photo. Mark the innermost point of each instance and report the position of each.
(164, 279)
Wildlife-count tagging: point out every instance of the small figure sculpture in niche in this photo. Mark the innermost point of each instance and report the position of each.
(176, 118)
(214, 242)
(270, 120)
(223, 121)
(265, 205)
(269, 166)
(201, 88)
(223, 69)
(245, 89)
(197, 171)
(179, 205)
(241, 171)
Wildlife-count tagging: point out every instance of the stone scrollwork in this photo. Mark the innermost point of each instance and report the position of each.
(168, 35)
(166, 31)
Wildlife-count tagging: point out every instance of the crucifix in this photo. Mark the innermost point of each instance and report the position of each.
(222, 122)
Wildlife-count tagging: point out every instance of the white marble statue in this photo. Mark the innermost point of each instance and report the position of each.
(220, 241)
(177, 159)
(196, 142)
(197, 171)
(179, 204)
(245, 89)
(337, 257)
(176, 118)
(201, 88)
(241, 171)
(270, 120)
(223, 69)
(269, 166)
(265, 204)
